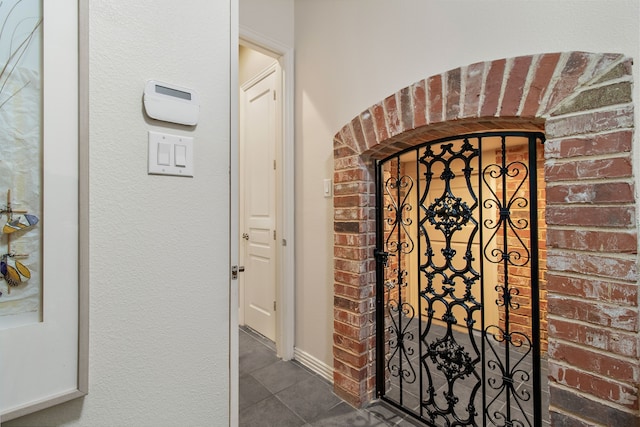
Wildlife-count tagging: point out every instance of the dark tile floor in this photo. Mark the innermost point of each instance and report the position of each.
(282, 394)
(520, 364)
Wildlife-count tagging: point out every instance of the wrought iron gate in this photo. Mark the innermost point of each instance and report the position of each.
(458, 338)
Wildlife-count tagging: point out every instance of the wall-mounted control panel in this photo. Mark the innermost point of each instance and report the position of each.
(170, 154)
(171, 103)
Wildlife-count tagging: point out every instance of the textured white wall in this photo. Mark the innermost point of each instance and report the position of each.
(159, 261)
(352, 54)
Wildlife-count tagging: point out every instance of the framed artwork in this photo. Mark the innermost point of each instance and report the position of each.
(43, 206)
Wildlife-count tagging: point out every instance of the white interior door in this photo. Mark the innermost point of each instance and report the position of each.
(258, 204)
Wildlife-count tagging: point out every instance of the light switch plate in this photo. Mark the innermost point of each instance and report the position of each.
(162, 145)
(327, 187)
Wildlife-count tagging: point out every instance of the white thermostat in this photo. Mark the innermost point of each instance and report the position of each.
(171, 103)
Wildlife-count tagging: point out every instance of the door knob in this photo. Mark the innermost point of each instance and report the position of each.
(245, 236)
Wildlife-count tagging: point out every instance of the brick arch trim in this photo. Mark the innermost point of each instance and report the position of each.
(583, 102)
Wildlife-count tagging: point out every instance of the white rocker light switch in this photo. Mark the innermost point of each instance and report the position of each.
(170, 154)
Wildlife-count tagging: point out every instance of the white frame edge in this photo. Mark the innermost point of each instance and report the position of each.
(83, 196)
(234, 356)
(83, 229)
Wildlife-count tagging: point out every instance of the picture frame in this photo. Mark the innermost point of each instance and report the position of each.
(45, 363)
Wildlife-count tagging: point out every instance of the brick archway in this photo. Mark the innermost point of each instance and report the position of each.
(583, 102)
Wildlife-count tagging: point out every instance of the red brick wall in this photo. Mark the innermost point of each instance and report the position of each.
(583, 103)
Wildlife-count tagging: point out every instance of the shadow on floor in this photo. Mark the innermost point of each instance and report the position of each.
(286, 394)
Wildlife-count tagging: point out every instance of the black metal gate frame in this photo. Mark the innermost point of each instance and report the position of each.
(462, 364)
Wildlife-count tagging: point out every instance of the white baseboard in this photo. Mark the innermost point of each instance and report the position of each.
(313, 364)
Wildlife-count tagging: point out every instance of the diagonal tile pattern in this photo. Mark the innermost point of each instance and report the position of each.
(274, 393)
(282, 394)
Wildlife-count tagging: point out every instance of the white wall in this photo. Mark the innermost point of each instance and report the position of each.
(272, 19)
(352, 54)
(368, 49)
(159, 246)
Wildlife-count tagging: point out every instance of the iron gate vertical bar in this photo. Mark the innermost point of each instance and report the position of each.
(535, 270)
(482, 282)
(399, 277)
(380, 342)
(419, 285)
(505, 259)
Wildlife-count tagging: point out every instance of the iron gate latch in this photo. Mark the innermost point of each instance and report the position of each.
(381, 256)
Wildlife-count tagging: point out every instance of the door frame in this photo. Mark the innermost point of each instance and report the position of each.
(234, 127)
(285, 204)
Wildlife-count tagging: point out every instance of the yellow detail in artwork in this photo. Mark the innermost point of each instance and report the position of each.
(12, 277)
(24, 271)
(22, 222)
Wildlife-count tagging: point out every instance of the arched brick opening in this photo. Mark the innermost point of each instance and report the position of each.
(583, 103)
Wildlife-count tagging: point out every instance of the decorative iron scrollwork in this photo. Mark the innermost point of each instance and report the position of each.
(506, 223)
(401, 315)
(399, 219)
(440, 358)
(508, 378)
(448, 214)
(450, 358)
